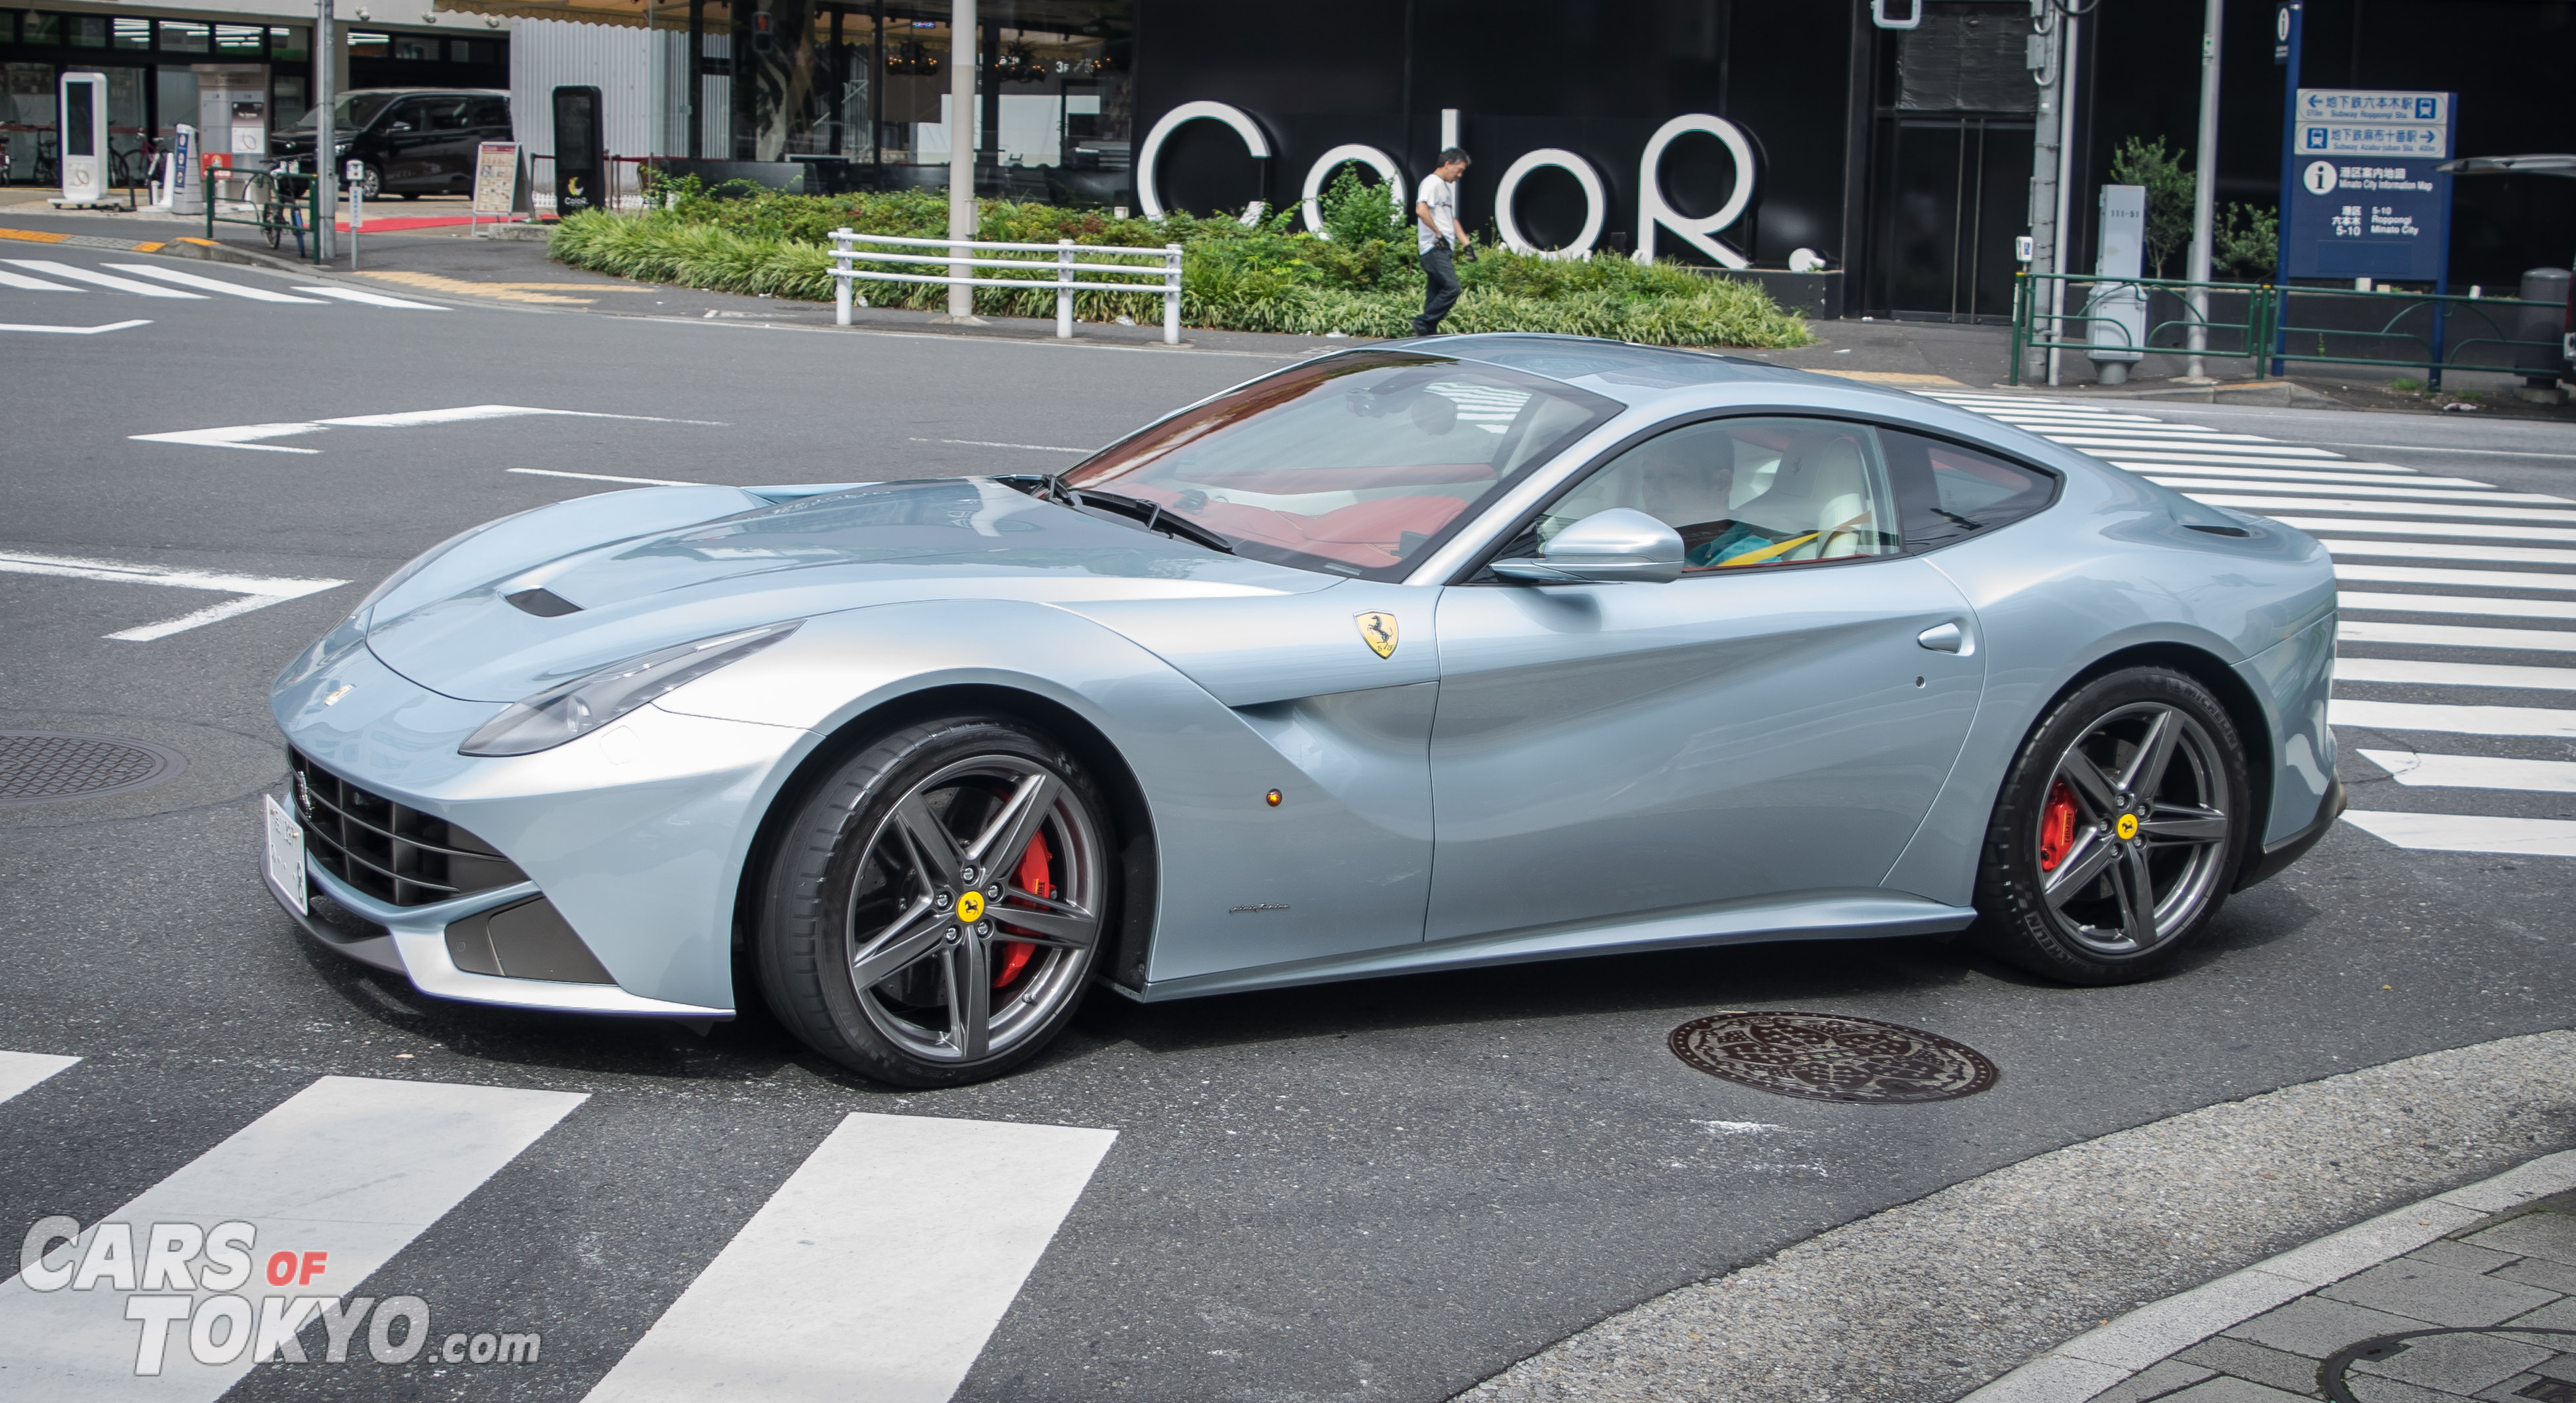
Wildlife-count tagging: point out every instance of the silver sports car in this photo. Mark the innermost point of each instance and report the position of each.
(1432, 654)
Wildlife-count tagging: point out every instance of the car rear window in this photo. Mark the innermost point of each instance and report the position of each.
(1947, 492)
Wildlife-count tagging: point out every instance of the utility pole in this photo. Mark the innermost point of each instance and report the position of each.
(326, 155)
(2047, 70)
(962, 49)
(2066, 53)
(2204, 190)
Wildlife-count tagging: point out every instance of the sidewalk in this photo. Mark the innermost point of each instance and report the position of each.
(2468, 1295)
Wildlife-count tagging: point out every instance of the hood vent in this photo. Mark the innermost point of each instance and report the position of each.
(544, 603)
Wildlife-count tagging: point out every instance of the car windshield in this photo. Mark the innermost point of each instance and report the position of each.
(352, 111)
(1356, 463)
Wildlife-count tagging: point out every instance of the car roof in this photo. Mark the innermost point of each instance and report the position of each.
(1620, 370)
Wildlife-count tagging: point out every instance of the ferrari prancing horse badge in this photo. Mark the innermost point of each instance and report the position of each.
(1377, 629)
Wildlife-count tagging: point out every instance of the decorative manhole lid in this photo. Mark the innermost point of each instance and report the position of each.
(41, 767)
(1832, 1057)
(2528, 1351)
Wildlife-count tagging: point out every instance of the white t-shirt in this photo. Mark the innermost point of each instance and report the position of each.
(1443, 199)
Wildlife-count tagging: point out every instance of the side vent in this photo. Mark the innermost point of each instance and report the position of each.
(528, 940)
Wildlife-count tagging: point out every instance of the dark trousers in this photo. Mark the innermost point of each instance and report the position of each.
(1443, 293)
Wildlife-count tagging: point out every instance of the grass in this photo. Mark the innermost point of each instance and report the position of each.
(1266, 277)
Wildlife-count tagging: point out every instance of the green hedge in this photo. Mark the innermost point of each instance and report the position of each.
(1269, 276)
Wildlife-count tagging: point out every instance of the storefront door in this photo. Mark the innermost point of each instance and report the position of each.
(1950, 163)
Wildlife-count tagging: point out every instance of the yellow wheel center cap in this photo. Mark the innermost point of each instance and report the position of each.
(970, 907)
(2127, 828)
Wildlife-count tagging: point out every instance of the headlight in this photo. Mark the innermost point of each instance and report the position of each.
(585, 704)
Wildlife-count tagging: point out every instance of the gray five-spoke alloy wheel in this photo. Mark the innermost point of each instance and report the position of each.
(977, 910)
(937, 903)
(2133, 838)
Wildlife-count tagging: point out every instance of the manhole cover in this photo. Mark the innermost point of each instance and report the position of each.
(1832, 1057)
(2429, 1356)
(40, 767)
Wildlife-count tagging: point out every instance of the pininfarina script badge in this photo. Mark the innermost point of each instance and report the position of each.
(1377, 629)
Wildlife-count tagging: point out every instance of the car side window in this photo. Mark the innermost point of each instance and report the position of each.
(1749, 492)
(447, 115)
(489, 112)
(1946, 493)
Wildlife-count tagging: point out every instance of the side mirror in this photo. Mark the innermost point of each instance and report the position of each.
(1621, 544)
(398, 127)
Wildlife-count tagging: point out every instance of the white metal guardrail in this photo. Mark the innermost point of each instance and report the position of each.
(1066, 274)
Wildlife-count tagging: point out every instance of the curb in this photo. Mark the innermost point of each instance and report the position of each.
(2283, 393)
(2111, 1355)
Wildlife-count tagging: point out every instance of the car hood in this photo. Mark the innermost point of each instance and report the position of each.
(454, 630)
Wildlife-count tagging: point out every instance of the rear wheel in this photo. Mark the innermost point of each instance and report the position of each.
(2118, 832)
(933, 913)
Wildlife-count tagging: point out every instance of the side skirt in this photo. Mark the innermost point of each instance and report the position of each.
(1829, 915)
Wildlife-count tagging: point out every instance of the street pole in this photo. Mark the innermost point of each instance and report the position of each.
(962, 48)
(2290, 29)
(2065, 174)
(2204, 190)
(2043, 165)
(325, 141)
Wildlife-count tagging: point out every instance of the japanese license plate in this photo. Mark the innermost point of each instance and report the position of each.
(285, 853)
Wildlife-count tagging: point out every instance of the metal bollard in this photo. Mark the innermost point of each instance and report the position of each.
(1064, 290)
(1171, 294)
(841, 277)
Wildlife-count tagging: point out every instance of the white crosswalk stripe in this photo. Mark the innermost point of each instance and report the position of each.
(181, 284)
(204, 284)
(2427, 518)
(909, 1233)
(351, 1168)
(877, 1269)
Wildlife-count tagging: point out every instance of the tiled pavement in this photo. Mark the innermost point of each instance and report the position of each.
(2504, 1287)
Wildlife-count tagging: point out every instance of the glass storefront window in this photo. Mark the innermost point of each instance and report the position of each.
(30, 109)
(83, 31)
(182, 37)
(240, 40)
(413, 48)
(285, 43)
(130, 33)
(177, 88)
(363, 44)
(42, 29)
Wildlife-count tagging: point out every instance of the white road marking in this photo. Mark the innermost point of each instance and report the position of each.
(2445, 530)
(374, 299)
(247, 435)
(2465, 579)
(2149, 445)
(72, 330)
(2420, 771)
(1032, 447)
(27, 284)
(352, 1167)
(2458, 604)
(2198, 437)
(173, 275)
(2360, 507)
(258, 591)
(20, 1070)
(875, 1272)
(2537, 640)
(2405, 492)
(2428, 448)
(2546, 721)
(2293, 477)
(604, 477)
(106, 280)
(2411, 672)
(2127, 457)
(2432, 550)
(2464, 833)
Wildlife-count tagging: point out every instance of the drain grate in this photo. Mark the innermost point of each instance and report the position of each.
(42, 767)
(1832, 1057)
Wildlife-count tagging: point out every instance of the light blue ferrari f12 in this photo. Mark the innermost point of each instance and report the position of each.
(1421, 656)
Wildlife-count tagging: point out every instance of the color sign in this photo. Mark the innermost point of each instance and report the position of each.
(496, 177)
(2364, 199)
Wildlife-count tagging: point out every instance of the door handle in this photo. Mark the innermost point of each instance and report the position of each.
(1944, 638)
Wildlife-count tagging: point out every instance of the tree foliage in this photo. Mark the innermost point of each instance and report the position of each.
(2169, 196)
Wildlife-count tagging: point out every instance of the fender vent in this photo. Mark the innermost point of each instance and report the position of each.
(2201, 526)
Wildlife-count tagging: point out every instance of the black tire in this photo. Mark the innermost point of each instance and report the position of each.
(854, 888)
(2064, 809)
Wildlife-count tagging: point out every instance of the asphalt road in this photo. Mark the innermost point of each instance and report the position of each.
(1376, 1190)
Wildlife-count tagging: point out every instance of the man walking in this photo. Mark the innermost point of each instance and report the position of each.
(1435, 211)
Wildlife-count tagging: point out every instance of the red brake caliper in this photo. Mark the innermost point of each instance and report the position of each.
(2056, 826)
(1032, 878)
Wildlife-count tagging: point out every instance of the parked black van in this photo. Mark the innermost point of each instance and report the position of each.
(415, 141)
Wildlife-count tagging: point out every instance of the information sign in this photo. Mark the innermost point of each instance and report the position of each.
(2364, 199)
(496, 177)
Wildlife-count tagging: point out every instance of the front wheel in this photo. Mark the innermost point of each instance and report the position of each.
(934, 911)
(2117, 833)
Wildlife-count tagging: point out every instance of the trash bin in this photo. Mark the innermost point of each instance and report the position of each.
(2540, 364)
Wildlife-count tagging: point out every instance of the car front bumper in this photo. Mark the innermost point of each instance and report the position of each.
(635, 834)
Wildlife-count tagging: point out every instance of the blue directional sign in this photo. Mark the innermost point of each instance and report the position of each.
(2365, 201)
